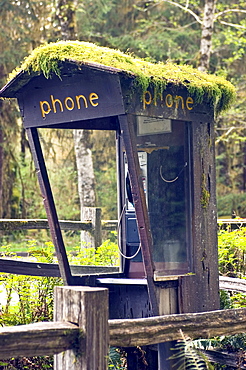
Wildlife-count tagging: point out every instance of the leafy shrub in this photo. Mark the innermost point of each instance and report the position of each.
(106, 255)
(232, 252)
(232, 203)
(30, 299)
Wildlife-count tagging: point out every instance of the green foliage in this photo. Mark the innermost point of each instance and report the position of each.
(132, 27)
(232, 204)
(30, 299)
(232, 300)
(231, 343)
(106, 184)
(187, 357)
(225, 300)
(232, 244)
(232, 252)
(116, 359)
(106, 255)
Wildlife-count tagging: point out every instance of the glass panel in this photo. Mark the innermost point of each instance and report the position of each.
(168, 200)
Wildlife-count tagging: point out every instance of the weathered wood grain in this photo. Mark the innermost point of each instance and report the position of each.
(84, 334)
(39, 224)
(235, 360)
(93, 237)
(233, 284)
(49, 269)
(140, 332)
(38, 339)
(88, 308)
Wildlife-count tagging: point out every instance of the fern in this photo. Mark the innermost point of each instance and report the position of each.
(186, 357)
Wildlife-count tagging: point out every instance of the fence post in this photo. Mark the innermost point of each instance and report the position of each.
(92, 238)
(88, 308)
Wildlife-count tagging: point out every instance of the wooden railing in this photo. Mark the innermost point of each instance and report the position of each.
(93, 226)
(72, 335)
(81, 332)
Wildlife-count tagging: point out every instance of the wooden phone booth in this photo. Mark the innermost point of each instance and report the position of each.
(166, 168)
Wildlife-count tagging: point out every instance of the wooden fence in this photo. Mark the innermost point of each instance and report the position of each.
(81, 333)
(94, 226)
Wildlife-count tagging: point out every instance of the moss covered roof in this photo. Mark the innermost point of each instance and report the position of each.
(203, 87)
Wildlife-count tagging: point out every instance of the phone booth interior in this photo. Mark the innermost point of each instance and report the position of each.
(167, 222)
(164, 152)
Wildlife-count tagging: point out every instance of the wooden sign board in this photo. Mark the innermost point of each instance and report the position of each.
(71, 98)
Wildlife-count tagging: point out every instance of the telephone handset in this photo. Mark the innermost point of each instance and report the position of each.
(142, 156)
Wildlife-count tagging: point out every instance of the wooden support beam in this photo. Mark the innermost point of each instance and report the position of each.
(49, 204)
(93, 237)
(152, 330)
(233, 284)
(12, 266)
(38, 339)
(42, 224)
(234, 359)
(88, 308)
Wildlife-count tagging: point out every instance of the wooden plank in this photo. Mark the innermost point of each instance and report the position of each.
(235, 360)
(88, 308)
(49, 269)
(139, 199)
(93, 237)
(49, 204)
(110, 225)
(95, 105)
(199, 292)
(233, 284)
(141, 332)
(38, 339)
(40, 224)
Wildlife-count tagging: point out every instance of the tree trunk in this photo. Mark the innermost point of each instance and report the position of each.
(2, 75)
(86, 180)
(65, 22)
(1, 167)
(66, 30)
(207, 33)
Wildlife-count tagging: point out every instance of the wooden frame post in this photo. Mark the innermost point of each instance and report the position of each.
(93, 238)
(49, 204)
(142, 217)
(88, 308)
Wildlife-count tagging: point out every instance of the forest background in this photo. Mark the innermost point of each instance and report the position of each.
(157, 30)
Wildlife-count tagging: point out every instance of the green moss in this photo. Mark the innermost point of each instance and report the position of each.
(205, 195)
(202, 86)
